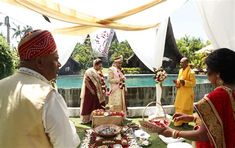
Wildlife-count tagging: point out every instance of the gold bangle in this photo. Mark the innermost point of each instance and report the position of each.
(173, 134)
(194, 118)
(178, 134)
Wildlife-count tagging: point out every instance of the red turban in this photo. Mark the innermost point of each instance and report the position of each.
(35, 44)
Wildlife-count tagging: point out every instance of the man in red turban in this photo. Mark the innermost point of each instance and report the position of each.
(33, 113)
(36, 44)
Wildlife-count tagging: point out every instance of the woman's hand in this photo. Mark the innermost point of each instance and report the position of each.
(183, 117)
(166, 131)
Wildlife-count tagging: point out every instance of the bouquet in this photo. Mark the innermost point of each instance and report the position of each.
(160, 75)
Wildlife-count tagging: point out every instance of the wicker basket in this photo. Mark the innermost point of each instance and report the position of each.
(100, 120)
(150, 127)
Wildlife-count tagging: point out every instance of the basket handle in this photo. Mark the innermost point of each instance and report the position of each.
(149, 105)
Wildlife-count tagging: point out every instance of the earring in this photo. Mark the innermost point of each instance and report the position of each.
(219, 81)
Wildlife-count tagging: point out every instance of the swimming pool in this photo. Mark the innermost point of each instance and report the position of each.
(133, 80)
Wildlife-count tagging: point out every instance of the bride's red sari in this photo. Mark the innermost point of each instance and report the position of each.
(217, 112)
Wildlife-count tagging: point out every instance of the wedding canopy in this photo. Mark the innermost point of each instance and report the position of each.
(142, 23)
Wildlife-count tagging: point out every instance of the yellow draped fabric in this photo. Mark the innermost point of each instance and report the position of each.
(87, 29)
(84, 21)
(185, 93)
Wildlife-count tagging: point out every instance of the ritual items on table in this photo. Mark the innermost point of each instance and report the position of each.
(125, 139)
(102, 112)
(100, 117)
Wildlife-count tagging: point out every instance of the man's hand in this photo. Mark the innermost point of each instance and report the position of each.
(182, 117)
(177, 85)
(122, 79)
(182, 82)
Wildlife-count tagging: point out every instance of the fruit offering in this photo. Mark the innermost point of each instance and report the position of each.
(101, 112)
(112, 113)
(160, 122)
(98, 112)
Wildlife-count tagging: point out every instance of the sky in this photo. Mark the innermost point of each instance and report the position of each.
(185, 21)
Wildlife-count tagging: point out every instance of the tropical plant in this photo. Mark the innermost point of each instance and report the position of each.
(198, 61)
(117, 49)
(19, 32)
(83, 54)
(188, 46)
(7, 64)
(132, 70)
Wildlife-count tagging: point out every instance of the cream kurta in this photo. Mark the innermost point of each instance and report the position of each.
(117, 95)
(33, 114)
(185, 94)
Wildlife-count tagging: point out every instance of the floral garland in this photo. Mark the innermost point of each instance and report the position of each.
(122, 83)
(103, 85)
(160, 75)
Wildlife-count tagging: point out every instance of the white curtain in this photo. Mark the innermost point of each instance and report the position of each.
(65, 43)
(147, 44)
(219, 20)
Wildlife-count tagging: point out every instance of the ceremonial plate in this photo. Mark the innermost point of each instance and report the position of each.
(107, 130)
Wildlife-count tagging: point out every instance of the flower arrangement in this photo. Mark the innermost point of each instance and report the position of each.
(122, 83)
(103, 85)
(160, 75)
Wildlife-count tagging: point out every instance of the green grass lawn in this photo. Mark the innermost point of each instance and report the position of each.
(154, 139)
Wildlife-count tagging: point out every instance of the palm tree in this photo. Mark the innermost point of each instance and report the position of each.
(19, 32)
(26, 29)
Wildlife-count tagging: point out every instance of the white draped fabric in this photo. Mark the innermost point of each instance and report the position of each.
(65, 43)
(219, 20)
(100, 41)
(147, 44)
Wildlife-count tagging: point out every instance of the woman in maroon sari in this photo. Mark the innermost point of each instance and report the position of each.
(217, 109)
(93, 91)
